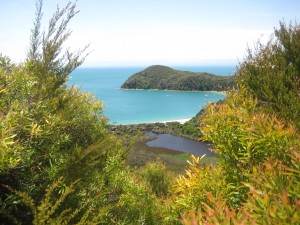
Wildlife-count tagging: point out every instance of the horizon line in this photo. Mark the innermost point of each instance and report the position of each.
(139, 66)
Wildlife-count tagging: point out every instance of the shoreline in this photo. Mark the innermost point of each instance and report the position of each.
(181, 121)
(137, 89)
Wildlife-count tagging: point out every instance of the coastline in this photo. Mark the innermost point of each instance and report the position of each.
(181, 121)
(151, 89)
(155, 89)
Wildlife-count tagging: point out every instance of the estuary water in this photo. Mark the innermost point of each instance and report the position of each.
(143, 106)
(179, 144)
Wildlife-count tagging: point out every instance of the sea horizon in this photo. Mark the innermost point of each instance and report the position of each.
(214, 69)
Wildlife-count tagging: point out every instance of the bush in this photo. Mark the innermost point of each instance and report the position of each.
(244, 136)
(271, 73)
(255, 132)
(159, 179)
(58, 164)
(190, 191)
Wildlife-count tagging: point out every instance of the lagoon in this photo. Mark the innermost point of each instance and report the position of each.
(179, 144)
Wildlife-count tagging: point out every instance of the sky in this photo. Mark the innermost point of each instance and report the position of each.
(149, 32)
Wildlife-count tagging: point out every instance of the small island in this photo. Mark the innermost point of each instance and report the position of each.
(166, 78)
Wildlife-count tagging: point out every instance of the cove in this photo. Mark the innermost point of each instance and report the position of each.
(141, 106)
(179, 144)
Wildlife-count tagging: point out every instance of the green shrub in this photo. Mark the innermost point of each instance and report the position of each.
(273, 198)
(190, 191)
(255, 132)
(271, 73)
(274, 193)
(50, 131)
(159, 179)
(244, 136)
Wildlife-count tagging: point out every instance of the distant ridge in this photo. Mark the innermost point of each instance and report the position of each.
(165, 78)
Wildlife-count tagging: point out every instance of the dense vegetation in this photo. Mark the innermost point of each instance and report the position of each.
(166, 78)
(60, 165)
(188, 129)
(256, 135)
(271, 73)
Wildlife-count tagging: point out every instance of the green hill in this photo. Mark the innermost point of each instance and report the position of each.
(166, 78)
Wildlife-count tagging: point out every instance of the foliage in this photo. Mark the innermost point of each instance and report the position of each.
(48, 64)
(274, 194)
(244, 136)
(159, 179)
(191, 128)
(271, 73)
(49, 131)
(44, 213)
(190, 191)
(255, 133)
(165, 78)
(59, 164)
(257, 180)
(273, 198)
(128, 200)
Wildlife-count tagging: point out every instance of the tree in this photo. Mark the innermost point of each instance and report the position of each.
(46, 59)
(255, 132)
(58, 164)
(271, 73)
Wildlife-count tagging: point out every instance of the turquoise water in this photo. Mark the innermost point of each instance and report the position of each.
(143, 106)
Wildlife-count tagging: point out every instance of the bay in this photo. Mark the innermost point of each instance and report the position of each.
(143, 106)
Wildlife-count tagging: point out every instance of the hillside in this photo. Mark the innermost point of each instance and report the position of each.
(166, 78)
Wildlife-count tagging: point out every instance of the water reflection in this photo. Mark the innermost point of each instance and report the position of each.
(179, 144)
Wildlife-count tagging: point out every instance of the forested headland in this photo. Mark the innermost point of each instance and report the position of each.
(166, 78)
(59, 164)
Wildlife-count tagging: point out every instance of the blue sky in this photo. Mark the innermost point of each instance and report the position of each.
(148, 32)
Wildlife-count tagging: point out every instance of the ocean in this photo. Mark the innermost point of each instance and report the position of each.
(143, 106)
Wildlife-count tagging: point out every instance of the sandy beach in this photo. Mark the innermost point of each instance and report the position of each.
(182, 121)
